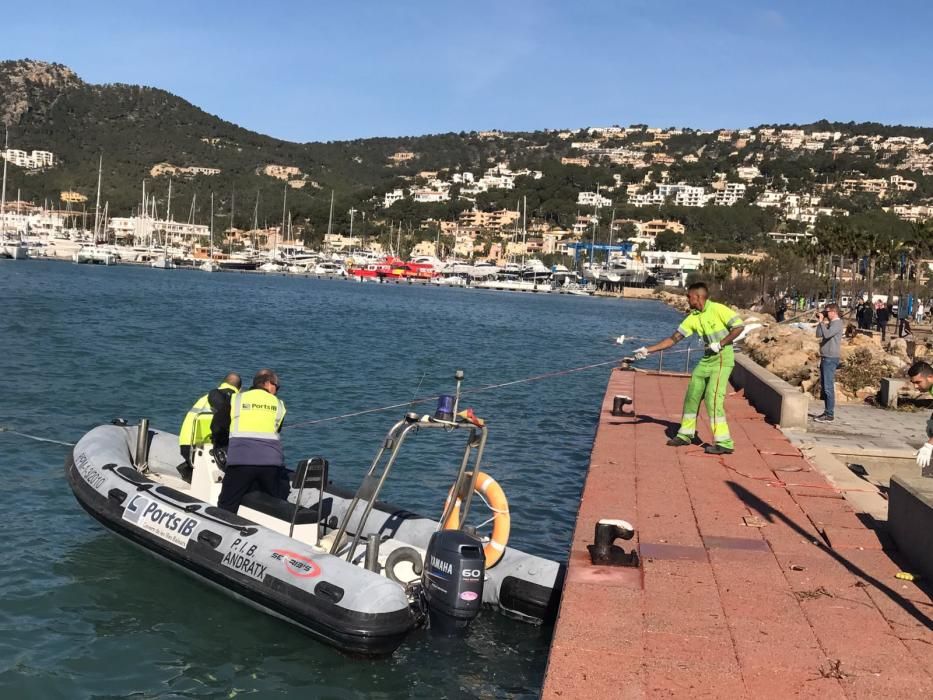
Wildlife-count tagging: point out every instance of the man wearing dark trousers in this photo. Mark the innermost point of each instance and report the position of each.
(255, 459)
(829, 330)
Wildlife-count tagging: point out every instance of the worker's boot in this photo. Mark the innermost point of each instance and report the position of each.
(717, 450)
(678, 441)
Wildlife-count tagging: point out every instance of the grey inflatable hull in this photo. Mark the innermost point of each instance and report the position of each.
(336, 601)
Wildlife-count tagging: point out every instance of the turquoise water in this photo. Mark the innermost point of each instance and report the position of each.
(84, 615)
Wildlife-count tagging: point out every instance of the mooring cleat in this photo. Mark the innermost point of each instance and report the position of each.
(717, 450)
(678, 441)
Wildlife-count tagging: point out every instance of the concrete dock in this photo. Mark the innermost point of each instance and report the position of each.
(758, 579)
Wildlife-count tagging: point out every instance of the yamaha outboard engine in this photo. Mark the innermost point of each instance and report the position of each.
(452, 580)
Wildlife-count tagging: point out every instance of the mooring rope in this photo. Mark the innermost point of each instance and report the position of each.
(403, 404)
(4, 429)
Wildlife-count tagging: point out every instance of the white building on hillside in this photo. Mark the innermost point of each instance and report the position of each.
(392, 197)
(733, 193)
(593, 199)
(30, 161)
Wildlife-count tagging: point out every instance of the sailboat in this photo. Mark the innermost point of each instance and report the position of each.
(274, 265)
(211, 265)
(10, 247)
(164, 262)
(93, 254)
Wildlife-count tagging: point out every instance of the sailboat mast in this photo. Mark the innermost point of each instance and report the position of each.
(6, 148)
(100, 170)
(524, 230)
(212, 227)
(252, 239)
(612, 217)
(275, 244)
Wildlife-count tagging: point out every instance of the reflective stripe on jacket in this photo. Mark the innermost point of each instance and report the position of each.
(255, 421)
(196, 427)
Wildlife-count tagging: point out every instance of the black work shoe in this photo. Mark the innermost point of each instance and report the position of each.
(185, 472)
(824, 418)
(677, 442)
(717, 450)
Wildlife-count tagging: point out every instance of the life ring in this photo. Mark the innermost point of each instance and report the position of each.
(494, 496)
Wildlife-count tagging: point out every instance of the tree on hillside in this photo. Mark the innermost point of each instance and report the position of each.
(669, 240)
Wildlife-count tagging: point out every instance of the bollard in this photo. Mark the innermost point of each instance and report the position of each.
(603, 551)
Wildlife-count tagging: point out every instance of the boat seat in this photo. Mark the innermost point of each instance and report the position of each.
(282, 509)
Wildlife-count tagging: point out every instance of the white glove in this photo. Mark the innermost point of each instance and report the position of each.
(641, 353)
(924, 454)
(620, 340)
(715, 348)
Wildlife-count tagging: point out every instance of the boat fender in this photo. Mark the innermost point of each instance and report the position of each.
(398, 556)
(493, 495)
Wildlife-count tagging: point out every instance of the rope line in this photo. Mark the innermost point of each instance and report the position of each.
(473, 390)
(36, 437)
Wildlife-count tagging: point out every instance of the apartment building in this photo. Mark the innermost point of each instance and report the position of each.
(123, 227)
(392, 197)
(31, 161)
(593, 199)
(428, 196)
(281, 172)
(501, 219)
(731, 194)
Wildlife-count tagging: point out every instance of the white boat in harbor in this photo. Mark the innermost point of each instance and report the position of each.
(209, 266)
(163, 263)
(93, 255)
(272, 267)
(450, 281)
(512, 284)
(326, 268)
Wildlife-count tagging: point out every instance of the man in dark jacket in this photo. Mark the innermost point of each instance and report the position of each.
(882, 315)
(208, 421)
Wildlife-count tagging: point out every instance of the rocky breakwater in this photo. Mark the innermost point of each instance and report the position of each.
(793, 354)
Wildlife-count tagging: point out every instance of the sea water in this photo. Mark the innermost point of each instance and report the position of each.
(85, 615)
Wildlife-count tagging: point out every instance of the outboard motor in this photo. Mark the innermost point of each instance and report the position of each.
(452, 580)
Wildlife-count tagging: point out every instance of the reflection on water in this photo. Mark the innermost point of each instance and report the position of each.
(84, 614)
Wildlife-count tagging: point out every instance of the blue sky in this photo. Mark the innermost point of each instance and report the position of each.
(311, 71)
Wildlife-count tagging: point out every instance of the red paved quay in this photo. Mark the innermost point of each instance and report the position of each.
(757, 580)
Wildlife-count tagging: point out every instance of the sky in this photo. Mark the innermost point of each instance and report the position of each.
(316, 71)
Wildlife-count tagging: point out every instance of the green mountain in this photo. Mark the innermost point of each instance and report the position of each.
(48, 107)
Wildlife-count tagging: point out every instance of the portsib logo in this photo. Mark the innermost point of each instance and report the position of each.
(162, 520)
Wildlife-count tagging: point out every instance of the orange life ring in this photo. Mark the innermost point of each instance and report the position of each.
(494, 496)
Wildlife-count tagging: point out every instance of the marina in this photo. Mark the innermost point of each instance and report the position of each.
(90, 606)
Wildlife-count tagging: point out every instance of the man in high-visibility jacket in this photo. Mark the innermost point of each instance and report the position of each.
(718, 326)
(208, 421)
(255, 459)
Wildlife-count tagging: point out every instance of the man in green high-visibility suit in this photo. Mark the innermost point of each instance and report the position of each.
(718, 326)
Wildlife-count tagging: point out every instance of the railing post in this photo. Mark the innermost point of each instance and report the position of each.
(660, 360)
(687, 363)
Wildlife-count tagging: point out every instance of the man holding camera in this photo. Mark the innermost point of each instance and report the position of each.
(829, 329)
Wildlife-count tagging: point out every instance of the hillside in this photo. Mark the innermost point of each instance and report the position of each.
(48, 107)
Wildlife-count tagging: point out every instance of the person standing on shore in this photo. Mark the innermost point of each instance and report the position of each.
(918, 314)
(882, 315)
(921, 376)
(829, 330)
(718, 326)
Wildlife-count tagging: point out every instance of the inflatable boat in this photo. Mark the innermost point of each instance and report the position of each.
(355, 572)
